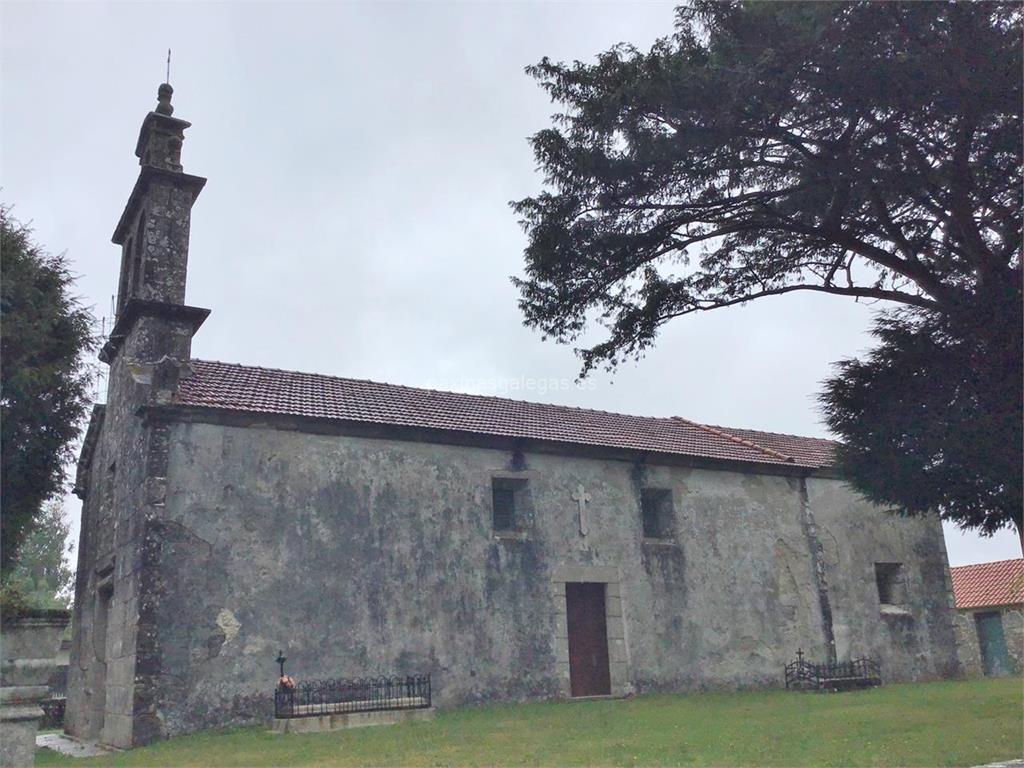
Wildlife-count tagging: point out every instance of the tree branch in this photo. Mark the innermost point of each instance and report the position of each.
(861, 292)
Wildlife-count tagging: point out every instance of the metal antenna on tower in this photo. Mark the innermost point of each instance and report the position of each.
(168, 80)
(99, 388)
(97, 371)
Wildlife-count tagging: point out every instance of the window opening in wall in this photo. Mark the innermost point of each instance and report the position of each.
(509, 503)
(658, 514)
(138, 257)
(889, 579)
(123, 283)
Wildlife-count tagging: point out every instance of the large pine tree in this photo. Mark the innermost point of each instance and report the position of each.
(45, 337)
(861, 149)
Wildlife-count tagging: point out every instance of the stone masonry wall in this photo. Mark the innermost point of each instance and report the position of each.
(968, 646)
(114, 672)
(115, 676)
(914, 638)
(361, 556)
(102, 664)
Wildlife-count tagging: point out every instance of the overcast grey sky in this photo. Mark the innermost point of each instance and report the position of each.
(360, 161)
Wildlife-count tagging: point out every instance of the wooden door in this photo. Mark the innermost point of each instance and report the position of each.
(588, 640)
(992, 641)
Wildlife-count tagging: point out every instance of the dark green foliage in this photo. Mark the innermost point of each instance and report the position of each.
(42, 573)
(932, 419)
(866, 149)
(45, 335)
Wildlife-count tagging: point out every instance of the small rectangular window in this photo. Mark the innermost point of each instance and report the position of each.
(509, 503)
(889, 580)
(504, 508)
(657, 512)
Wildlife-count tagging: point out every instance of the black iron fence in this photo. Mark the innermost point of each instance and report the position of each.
(803, 675)
(344, 695)
(53, 712)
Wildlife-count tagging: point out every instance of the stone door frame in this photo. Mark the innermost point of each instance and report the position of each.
(618, 657)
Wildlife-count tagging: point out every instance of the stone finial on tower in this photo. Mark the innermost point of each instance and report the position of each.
(163, 99)
(162, 135)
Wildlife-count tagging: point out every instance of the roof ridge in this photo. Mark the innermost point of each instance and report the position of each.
(738, 439)
(440, 391)
(777, 434)
(990, 562)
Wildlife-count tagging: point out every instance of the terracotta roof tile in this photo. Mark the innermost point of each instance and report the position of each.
(267, 390)
(989, 584)
(813, 451)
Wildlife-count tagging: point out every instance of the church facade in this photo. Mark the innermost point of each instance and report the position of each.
(511, 550)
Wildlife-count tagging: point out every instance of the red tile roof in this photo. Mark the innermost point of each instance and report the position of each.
(989, 584)
(810, 451)
(267, 390)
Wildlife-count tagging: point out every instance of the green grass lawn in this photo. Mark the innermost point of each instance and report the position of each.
(928, 724)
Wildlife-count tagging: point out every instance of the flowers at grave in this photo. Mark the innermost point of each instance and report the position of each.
(287, 683)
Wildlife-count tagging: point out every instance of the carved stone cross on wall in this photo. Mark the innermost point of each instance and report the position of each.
(581, 497)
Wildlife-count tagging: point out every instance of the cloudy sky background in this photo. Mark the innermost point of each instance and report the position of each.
(360, 161)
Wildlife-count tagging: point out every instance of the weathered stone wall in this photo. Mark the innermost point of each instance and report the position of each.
(115, 676)
(1013, 628)
(155, 253)
(102, 665)
(915, 638)
(968, 646)
(360, 556)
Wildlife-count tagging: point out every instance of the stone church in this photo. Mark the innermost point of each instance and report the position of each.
(512, 550)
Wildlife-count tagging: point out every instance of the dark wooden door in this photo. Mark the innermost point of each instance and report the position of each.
(588, 640)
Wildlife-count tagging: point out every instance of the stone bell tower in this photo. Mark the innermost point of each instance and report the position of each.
(153, 233)
(115, 672)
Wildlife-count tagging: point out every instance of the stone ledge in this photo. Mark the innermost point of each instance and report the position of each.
(20, 712)
(339, 722)
(895, 611)
(653, 543)
(23, 694)
(512, 535)
(27, 672)
(568, 572)
(69, 745)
